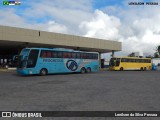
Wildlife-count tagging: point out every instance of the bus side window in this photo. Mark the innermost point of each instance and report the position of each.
(43, 54)
(94, 56)
(133, 60)
(73, 55)
(49, 54)
(59, 54)
(90, 55)
(123, 60)
(64, 54)
(127, 60)
(136, 60)
(69, 55)
(130, 60)
(142, 61)
(149, 61)
(54, 54)
(82, 55)
(78, 55)
(87, 56)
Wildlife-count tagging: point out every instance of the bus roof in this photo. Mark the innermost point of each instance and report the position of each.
(132, 57)
(60, 49)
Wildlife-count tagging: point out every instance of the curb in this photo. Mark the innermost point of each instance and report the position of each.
(6, 70)
(104, 69)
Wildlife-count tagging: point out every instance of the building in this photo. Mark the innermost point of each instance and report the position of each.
(136, 54)
(13, 39)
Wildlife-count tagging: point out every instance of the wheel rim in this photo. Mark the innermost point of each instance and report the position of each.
(43, 72)
(83, 70)
(88, 70)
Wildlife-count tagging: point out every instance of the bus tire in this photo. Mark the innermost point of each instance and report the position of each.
(83, 70)
(121, 69)
(88, 70)
(43, 72)
(145, 68)
(141, 68)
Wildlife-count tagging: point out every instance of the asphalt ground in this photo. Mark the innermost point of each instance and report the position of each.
(100, 91)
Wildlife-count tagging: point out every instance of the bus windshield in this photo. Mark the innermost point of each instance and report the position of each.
(21, 62)
(22, 58)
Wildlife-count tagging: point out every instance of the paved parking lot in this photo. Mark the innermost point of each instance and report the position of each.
(104, 90)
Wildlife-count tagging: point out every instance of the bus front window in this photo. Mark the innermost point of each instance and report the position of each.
(22, 58)
(21, 62)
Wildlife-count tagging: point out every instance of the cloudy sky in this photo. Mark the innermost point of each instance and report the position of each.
(137, 27)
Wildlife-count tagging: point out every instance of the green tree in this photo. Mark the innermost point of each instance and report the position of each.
(156, 55)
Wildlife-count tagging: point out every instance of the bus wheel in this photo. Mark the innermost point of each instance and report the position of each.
(145, 68)
(121, 69)
(88, 70)
(43, 72)
(141, 68)
(83, 70)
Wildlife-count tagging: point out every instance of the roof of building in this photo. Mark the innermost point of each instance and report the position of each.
(14, 37)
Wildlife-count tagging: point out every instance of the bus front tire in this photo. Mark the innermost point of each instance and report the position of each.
(43, 72)
(141, 68)
(83, 70)
(88, 70)
(121, 69)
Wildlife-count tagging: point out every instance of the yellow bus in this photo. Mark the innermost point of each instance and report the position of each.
(130, 63)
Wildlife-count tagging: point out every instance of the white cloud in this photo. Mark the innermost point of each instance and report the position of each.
(62, 16)
(137, 27)
(51, 26)
(67, 12)
(10, 18)
(137, 31)
(101, 26)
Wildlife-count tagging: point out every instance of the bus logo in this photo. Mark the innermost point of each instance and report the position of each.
(72, 65)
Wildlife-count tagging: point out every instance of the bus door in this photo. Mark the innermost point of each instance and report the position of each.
(117, 62)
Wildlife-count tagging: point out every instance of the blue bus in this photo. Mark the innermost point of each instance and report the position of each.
(45, 61)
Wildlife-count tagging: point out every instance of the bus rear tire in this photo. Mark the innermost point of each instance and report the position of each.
(43, 72)
(83, 70)
(145, 68)
(141, 68)
(88, 70)
(121, 69)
